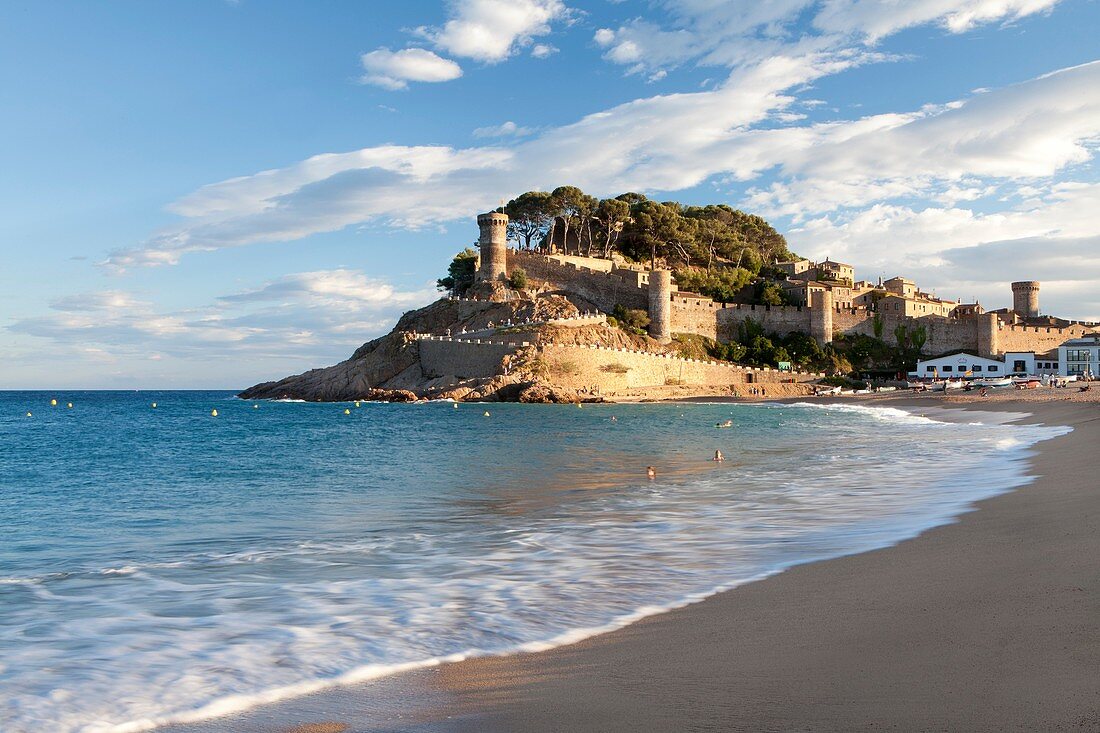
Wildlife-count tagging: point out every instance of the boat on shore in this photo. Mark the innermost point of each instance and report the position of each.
(993, 382)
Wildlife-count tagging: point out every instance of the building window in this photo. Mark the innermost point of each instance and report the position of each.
(948, 368)
(976, 368)
(930, 369)
(1019, 366)
(993, 368)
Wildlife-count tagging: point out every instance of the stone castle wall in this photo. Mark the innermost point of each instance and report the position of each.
(1039, 338)
(603, 289)
(581, 367)
(720, 321)
(461, 359)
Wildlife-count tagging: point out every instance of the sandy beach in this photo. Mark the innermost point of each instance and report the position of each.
(991, 623)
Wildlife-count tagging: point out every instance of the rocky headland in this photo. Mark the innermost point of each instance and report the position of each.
(390, 368)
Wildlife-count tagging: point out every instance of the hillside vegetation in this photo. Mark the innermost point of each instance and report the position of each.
(641, 229)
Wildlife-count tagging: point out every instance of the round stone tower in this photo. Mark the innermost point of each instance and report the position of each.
(989, 336)
(1025, 298)
(660, 305)
(821, 316)
(493, 244)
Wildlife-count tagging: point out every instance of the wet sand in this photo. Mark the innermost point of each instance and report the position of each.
(988, 624)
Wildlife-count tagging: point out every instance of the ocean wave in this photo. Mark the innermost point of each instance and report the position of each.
(412, 576)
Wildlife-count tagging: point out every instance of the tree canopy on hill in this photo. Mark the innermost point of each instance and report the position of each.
(643, 230)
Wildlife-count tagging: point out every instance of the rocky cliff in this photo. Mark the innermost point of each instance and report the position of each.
(390, 368)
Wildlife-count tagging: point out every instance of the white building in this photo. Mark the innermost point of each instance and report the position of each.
(960, 364)
(1030, 363)
(1080, 357)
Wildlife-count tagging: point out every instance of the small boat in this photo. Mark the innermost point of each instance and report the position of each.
(993, 382)
(1026, 382)
(947, 384)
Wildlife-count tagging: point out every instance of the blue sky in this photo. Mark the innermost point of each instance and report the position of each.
(205, 193)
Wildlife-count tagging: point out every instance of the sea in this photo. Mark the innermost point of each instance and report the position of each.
(160, 564)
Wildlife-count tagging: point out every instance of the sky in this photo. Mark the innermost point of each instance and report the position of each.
(210, 193)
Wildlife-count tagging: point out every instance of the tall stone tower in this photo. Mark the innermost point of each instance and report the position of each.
(1025, 298)
(989, 336)
(660, 305)
(821, 316)
(493, 244)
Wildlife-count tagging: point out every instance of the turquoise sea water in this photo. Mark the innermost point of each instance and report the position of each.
(163, 564)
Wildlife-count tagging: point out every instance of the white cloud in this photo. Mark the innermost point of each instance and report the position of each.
(332, 311)
(395, 69)
(1025, 132)
(875, 19)
(736, 33)
(507, 129)
(662, 143)
(491, 30)
(543, 50)
(1016, 135)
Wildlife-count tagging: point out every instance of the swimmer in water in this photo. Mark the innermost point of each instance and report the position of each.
(651, 472)
(718, 457)
(726, 424)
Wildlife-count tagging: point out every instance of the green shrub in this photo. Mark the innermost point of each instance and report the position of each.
(631, 320)
(518, 278)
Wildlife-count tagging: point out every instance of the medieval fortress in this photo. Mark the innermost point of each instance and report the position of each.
(832, 302)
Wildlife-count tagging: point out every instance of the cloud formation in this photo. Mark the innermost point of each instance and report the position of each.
(888, 191)
(492, 30)
(730, 33)
(996, 141)
(395, 69)
(310, 315)
(488, 31)
(506, 129)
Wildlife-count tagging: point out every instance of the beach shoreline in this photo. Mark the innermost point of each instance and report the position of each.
(986, 623)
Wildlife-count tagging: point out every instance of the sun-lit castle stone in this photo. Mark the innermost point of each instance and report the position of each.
(493, 244)
(1025, 298)
(660, 305)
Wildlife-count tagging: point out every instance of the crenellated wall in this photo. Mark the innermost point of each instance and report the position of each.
(582, 367)
(780, 319)
(1039, 338)
(461, 359)
(606, 287)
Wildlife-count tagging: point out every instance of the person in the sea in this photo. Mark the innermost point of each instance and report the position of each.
(726, 424)
(651, 472)
(718, 457)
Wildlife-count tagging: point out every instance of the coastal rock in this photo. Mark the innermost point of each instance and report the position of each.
(390, 369)
(544, 394)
